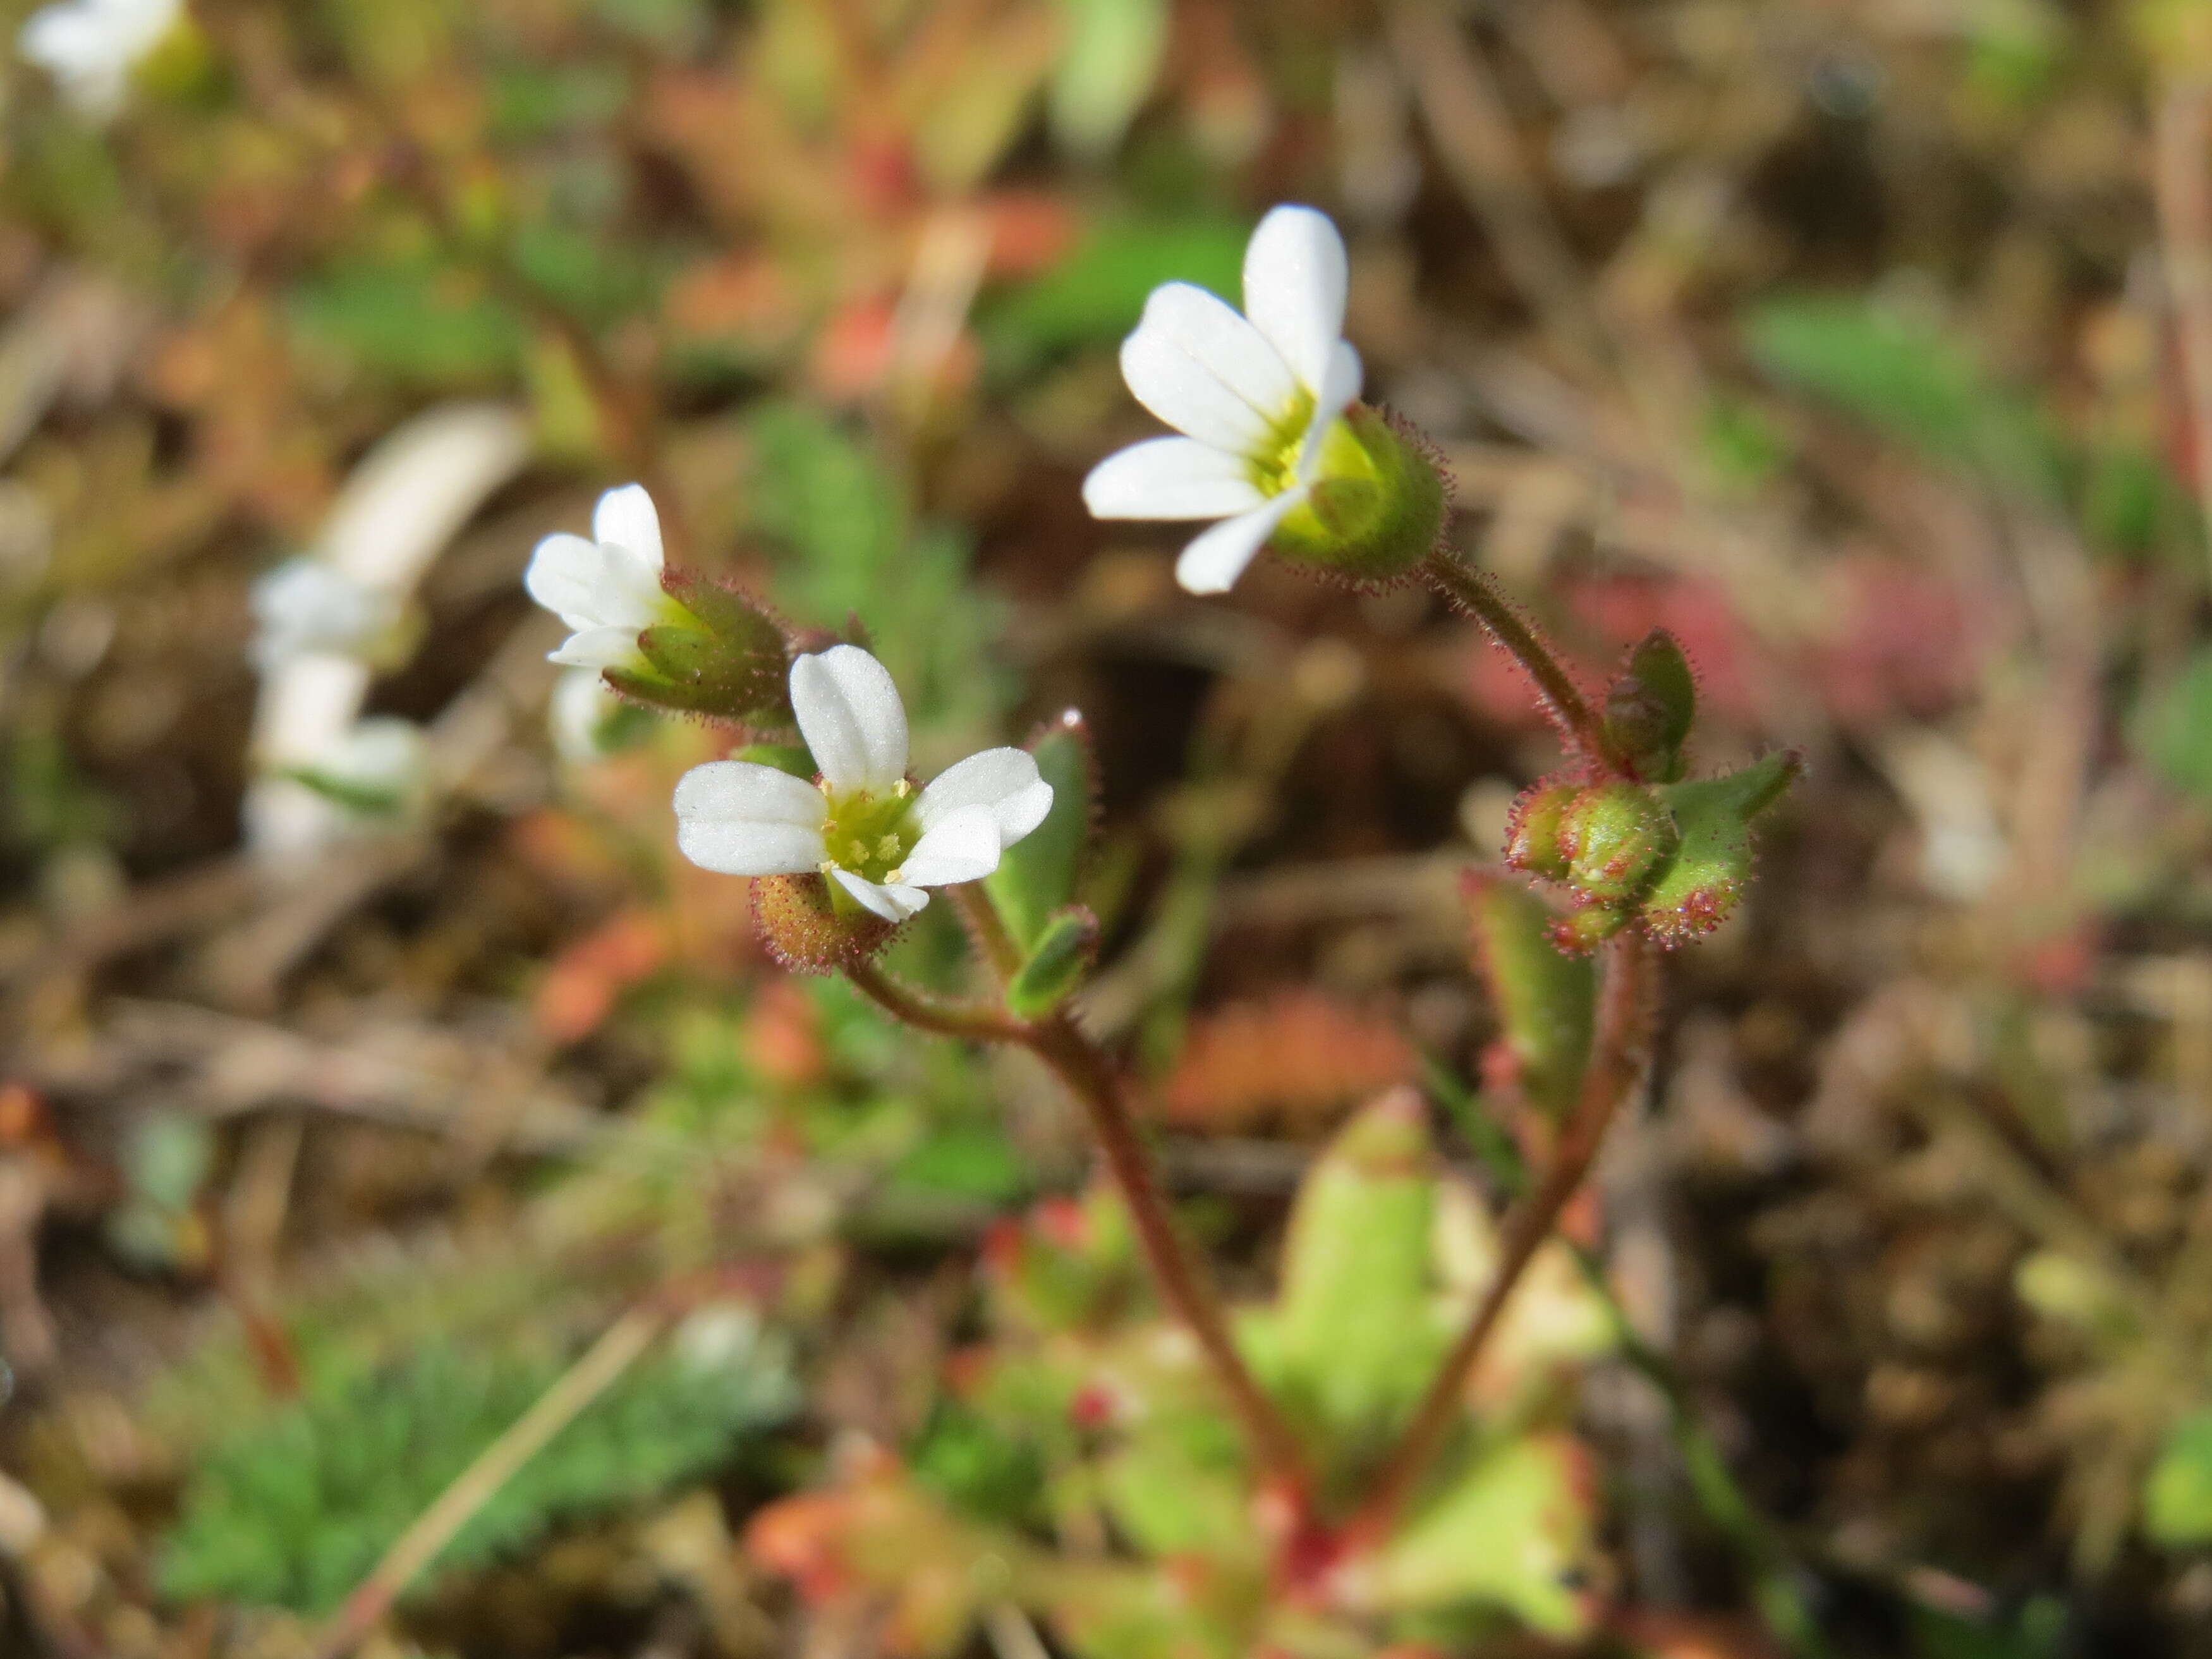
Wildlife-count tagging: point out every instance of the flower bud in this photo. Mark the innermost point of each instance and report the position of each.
(1375, 507)
(1615, 836)
(1649, 708)
(1580, 931)
(809, 930)
(1533, 833)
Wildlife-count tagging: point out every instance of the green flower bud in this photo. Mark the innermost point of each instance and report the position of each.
(1649, 708)
(1534, 840)
(1580, 931)
(1615, 836)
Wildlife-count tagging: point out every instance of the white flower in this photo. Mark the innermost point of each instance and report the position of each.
(378, 768)
(90, 46)
(862, 825)
(1257, 396)
(606, 589)
(305, 604)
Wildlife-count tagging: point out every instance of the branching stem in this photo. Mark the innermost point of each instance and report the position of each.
(940, 1016)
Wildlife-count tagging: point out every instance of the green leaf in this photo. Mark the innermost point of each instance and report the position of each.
(1903, 375)
(1058, 963)
(414, 323)
(1108, 64)
(2174, 732)
(1544, 997)
(2178, 1497)
(1353, 1337)
(1038, 875)
(974, 1161)
(296, 1506)
(1097, 293)
(844, 522)
(1699, 887)
(1511, 1532)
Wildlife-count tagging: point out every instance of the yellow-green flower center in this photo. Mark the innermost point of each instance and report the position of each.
(870, 834)
(1272, 463)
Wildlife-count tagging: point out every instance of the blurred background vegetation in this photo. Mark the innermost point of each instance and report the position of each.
(1857, 345)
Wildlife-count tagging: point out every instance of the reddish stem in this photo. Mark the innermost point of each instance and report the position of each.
(1617, 1052)
(1092, 1079)
(1563, 701)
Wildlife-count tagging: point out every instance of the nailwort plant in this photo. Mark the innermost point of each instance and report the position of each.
(844, 847)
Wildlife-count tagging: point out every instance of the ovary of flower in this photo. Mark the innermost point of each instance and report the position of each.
(861, 824)
(1255, 396)
(606, 589)
(90, 46)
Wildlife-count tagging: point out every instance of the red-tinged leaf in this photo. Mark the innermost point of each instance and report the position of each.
(1298, 1056)
(587, 978)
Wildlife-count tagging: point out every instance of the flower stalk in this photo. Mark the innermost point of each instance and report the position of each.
(1619, 1050)
(1563, 700)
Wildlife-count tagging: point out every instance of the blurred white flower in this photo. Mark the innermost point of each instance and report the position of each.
(1256, 397)
(378, 768)
(862, 825)
(583, 714)
(304, 604)
(607, 589)
(90, 46)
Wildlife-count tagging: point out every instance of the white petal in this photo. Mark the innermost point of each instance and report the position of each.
(597, 648)
(1169, 479)
(1338, 387)
(1206, 371)
(1212, 564)
(1295, 275)
(892, 901)
(850, 714)
(591, 584)
(962, 846)
(626, 518)
(744, 819)
(1004, 779)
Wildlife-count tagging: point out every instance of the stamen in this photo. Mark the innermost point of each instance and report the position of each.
(897, 875)
(902, 789)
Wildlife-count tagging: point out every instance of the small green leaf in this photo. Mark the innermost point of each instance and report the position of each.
(1512, 1532)
(1904, 375)
(1038, 875)
(2174, 732)
(1544, 998)
(2178, 1497)
(1699, 887)
(1057, 965)
(1354, 1341)
(1107, 64)
(1097, 293)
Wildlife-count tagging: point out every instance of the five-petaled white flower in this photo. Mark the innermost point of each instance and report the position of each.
(607, 589)
(90, 46)
(1256, 396)
(862, 825)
